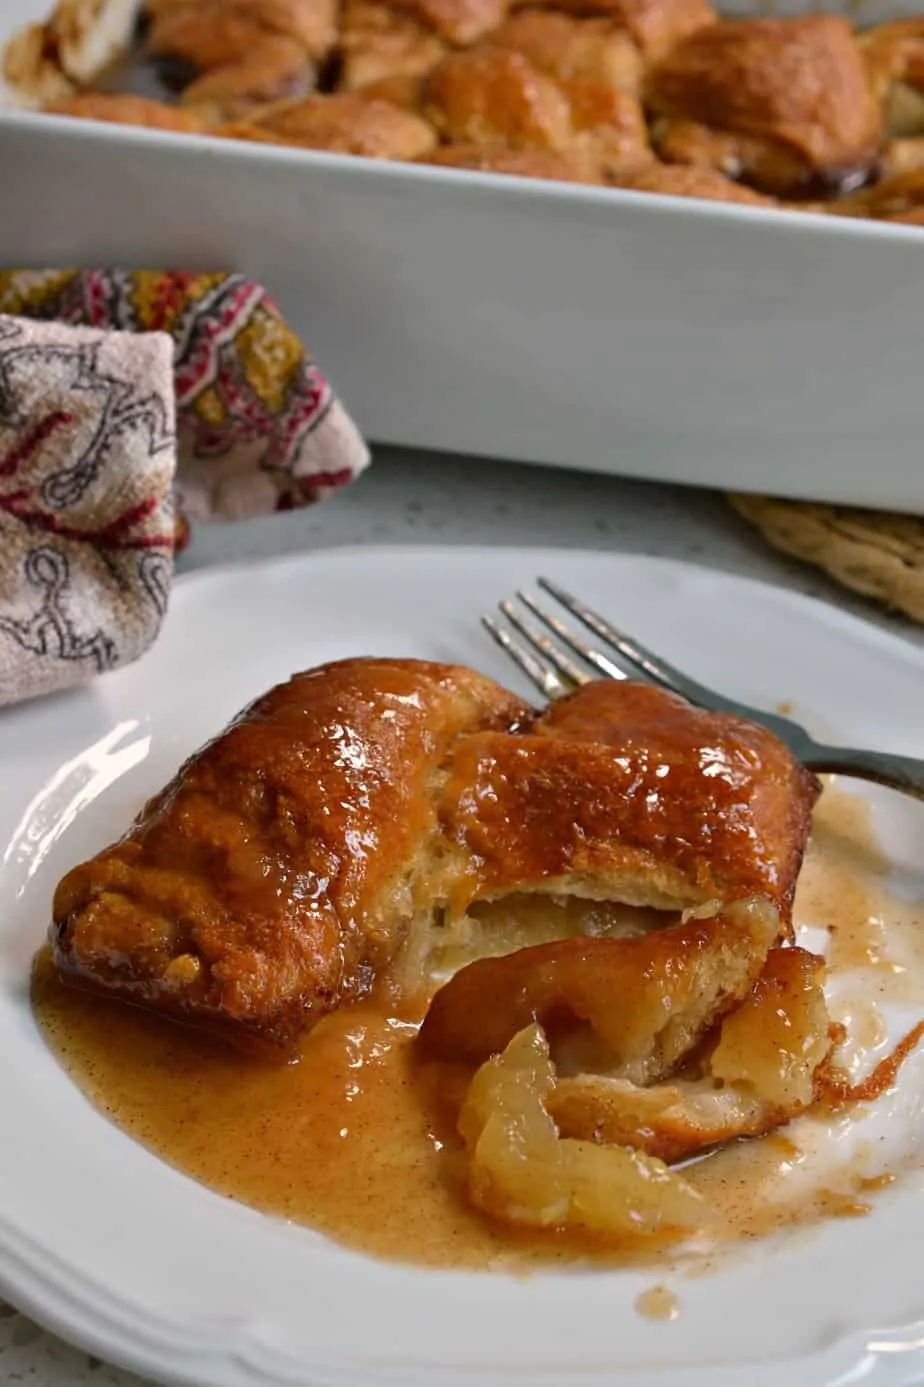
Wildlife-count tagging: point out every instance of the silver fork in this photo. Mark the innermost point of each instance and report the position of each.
(555, 673)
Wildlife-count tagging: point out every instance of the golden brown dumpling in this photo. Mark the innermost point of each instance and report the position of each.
(379, 44)
(608, 128)
(784, 104)
(127, 110)
(493, 97)
(347, 123)
(488, 96)
(567, 48)
(655, 26)
(895, 54)
(211, 33)
(901, 156)
(899, 199)
(679, 180)
(460, 22)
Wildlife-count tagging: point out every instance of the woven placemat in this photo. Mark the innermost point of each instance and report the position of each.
(874, 553)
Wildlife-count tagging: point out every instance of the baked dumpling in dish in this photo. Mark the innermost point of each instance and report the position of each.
(901, 157)
(493, 97)
(275, 70)
(895, 54)
(342, 123)
(458, 22)
(127, 110)
(784, 104)
(690, 180)
(226, 58)
(608, 128)
(898, 199)
(655, 26)
(567, 47)
(381, 44)
(51, 61)
(213, 33)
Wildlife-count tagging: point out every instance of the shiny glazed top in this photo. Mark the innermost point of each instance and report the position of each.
(286, 862)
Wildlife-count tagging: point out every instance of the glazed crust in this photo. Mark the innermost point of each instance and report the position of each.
(567, 48)
(346, 123)
(496, 97)
(901, 157)
(489, 97)
(212, 33)
(458, 22)
(655, 26)
(284, 865)
(49, 62)
(784, 103)
(270, 879)
(895, 57)
(608, 128)
(274, 70)
(640, 797)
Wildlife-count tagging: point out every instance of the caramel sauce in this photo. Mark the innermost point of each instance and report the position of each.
(357, 1139)
(843, 886)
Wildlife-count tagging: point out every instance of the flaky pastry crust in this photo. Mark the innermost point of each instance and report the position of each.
(288, 860)
(348, 123)
(654, 25)
(486, 97)
(285, 862)
(379, 44)
(128, 110)
(785, 104)
(567, 47)
(679, 180)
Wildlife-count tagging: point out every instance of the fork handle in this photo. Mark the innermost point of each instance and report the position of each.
(905, 773)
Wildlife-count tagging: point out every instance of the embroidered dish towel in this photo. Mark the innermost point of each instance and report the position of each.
(129, 401)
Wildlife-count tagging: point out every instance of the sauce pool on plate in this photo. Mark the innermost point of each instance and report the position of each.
(357, 1139)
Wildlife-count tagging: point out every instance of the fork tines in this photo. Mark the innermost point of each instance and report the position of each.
(548, 662)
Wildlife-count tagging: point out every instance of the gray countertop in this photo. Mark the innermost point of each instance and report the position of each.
(426, 499)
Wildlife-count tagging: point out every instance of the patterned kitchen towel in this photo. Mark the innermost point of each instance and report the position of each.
(259, 428)
(87, 461)
(140, 397)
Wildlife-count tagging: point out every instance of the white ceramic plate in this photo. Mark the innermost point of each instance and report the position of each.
(108, 1246)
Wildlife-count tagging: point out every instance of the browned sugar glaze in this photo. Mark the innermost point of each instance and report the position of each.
(290, 860)
(357, 1140)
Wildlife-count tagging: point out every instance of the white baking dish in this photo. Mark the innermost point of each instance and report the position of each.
(592, 328)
